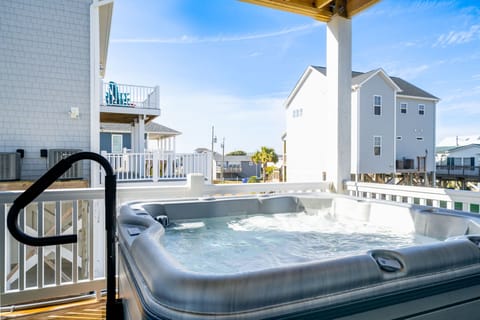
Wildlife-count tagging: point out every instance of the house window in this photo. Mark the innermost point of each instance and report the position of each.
(297, 113)
(117, 143)
(403, 108)
(420, 138)
(377, 145)
(377, 105)
(421, 109)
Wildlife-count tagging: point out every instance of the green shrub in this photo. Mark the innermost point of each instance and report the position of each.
(252, 179)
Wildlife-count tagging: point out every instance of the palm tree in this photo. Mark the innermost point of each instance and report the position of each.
(263, 156)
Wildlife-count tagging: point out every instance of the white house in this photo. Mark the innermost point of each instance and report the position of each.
(392, 121)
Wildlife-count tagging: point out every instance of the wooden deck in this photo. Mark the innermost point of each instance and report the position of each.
(91, 309)
(61, 184)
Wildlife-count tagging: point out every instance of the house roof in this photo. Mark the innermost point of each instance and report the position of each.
(456, 141)
(454, 149)
(409, 89)
(406, 88)
(151, 127)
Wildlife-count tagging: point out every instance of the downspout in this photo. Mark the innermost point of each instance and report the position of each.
(94, 89)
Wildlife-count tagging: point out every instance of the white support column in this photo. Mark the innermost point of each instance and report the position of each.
(134, 136)
(141, 134)
(339, 78)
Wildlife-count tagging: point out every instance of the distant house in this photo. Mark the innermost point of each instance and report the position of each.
(458, 163)
(117, 137)
(466, 155)
(393, 126)
(236, 167)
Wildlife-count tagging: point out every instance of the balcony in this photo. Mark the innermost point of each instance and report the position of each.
(122, 103)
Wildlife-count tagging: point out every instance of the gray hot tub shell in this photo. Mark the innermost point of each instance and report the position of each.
(431, 281)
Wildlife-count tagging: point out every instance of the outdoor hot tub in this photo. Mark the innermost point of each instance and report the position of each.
(306, 256)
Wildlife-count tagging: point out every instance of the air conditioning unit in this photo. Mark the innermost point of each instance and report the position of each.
(409, 164)
(9, 166)
(75, 172)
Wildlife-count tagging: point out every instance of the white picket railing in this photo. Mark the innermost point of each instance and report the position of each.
(157, 165)
(436, 197)
(30, 274)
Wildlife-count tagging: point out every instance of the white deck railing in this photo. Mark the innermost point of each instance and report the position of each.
(157, 165)
(30, 274)
(436, 197)
(132, 96)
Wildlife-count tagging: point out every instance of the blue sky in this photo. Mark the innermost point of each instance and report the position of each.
(232, 65)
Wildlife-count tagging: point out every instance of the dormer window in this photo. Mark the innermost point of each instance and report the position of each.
(377, 105)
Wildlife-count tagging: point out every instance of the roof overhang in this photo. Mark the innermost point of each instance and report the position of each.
(299, 84)
(105, 12)
(321, 10)
(417, 98)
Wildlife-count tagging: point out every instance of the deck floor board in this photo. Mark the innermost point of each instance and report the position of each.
(89, 309)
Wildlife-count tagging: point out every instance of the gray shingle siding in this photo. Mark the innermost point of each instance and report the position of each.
(45, 70)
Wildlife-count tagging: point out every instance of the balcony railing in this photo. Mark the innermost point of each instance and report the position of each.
(130, 96)
(158, 166)
(465, 171)
(436, 197)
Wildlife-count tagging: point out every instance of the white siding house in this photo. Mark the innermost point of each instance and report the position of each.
(53, 55)
(383, 135)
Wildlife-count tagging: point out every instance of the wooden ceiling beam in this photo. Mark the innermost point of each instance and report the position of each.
(317, 9)
(303, 7)
(356, 6)
(322, 3)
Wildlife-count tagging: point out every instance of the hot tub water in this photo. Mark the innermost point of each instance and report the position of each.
(224, 245)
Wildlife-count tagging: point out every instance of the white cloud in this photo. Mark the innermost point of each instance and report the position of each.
(407, 73)
(246, 122)
(186, 39)
(458, 37)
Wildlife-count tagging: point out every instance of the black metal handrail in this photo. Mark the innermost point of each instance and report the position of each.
(114, 306)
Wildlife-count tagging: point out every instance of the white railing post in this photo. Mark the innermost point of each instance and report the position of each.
(155, 166)
(157, 98)
(195, 185)
(209, 156)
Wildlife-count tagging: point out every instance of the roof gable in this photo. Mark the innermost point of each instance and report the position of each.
(403, 87)
(298, 85)
(408, 89)
(361, 79)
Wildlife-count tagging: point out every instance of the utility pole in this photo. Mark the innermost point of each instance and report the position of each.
(214, 140)
(223, 157)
